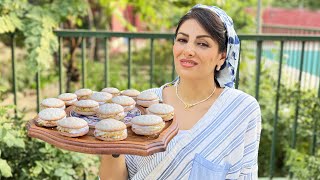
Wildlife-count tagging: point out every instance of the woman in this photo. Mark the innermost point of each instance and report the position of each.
(219, 126)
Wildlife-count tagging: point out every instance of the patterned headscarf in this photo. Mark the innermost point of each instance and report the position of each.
(227, 74)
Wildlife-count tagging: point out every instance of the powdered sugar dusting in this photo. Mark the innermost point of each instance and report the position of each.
(52, 114)
(147, 95)
(110, 108)
(52, 102)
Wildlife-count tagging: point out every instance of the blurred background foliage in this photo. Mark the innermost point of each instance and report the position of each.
(22, 157)
(33, 21)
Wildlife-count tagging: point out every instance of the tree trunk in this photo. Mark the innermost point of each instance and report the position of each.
(73, 74)
(92, 40)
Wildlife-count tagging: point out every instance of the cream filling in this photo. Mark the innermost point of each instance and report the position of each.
(73, 131)
(83, 97)
(132, 96)
(126, 108)
(112, 134)
(157, 127)
(164, 116)
(146, 101)
(86, 109)
(114, 116)
(71, 101)
(114, 94)
(48, 123)
(45, 107)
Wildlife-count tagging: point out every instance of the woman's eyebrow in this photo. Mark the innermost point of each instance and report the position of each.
(184, 34)
(199, 36)
(206, 36)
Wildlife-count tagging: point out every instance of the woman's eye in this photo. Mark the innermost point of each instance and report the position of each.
(182, 40)
(203, 44)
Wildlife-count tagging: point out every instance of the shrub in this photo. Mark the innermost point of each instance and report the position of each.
(22, 157)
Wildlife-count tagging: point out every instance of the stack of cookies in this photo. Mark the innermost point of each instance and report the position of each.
(110, 130)
(111, 110)
(110, 107)
(72, 127)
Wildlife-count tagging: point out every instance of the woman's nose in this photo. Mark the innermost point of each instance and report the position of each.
(189, 51)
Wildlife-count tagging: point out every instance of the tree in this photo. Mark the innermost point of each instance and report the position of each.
(165, 15)
(36, 21)
(309, 4)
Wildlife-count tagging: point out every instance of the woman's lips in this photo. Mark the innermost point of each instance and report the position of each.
(188, 63)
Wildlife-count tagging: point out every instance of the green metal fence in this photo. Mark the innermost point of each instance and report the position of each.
(105, 36)
(256, 42)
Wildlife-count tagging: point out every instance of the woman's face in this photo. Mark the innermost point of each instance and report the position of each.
(196, 53)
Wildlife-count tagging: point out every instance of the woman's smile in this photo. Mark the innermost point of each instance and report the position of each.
(187, 63)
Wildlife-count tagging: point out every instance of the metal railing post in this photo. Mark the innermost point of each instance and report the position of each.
(60, 65)
(314, 134)
(129, 63)
(151, 61)
(83, 61)
(275, 122)
(38, 87)
(238, 69)
(258, 68)
(295, 123)
(14, 78)
(106, 63)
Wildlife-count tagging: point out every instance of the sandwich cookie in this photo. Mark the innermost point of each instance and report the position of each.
(111, 90)
(73, 127)
(147, 98)
(111, 110)
(83, 94)
(165, 111)
(133, 93)
(125, 101)
(110, 130)
(147, 124)
(86, 107)
(52, 103)
(101, 97)
(68, 98)
(49, 117)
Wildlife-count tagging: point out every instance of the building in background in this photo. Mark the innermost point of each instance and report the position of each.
(132, 18)
(290, 21)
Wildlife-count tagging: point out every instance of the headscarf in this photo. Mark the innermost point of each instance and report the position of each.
(226, 76)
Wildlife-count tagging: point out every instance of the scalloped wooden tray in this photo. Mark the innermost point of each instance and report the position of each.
(133, 144)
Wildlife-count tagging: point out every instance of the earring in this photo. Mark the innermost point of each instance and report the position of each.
(218, 68)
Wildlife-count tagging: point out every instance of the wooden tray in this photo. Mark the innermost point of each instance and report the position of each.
(133, 144)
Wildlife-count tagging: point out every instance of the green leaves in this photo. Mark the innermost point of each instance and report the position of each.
(40, 40)
(309, 111)
(24, 158)
(37, 170)
(36, 22)
(12, 141)
(303, 166)
(8, 134)
(65, 172)
(9, 23)
(5, 169)
(10, 15)
(296, 4)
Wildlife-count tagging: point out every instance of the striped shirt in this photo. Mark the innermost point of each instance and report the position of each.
(226, 139)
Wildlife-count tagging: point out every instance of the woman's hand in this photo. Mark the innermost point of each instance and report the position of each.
(113, 168)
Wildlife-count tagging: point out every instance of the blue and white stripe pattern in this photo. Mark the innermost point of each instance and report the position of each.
(225, 140)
